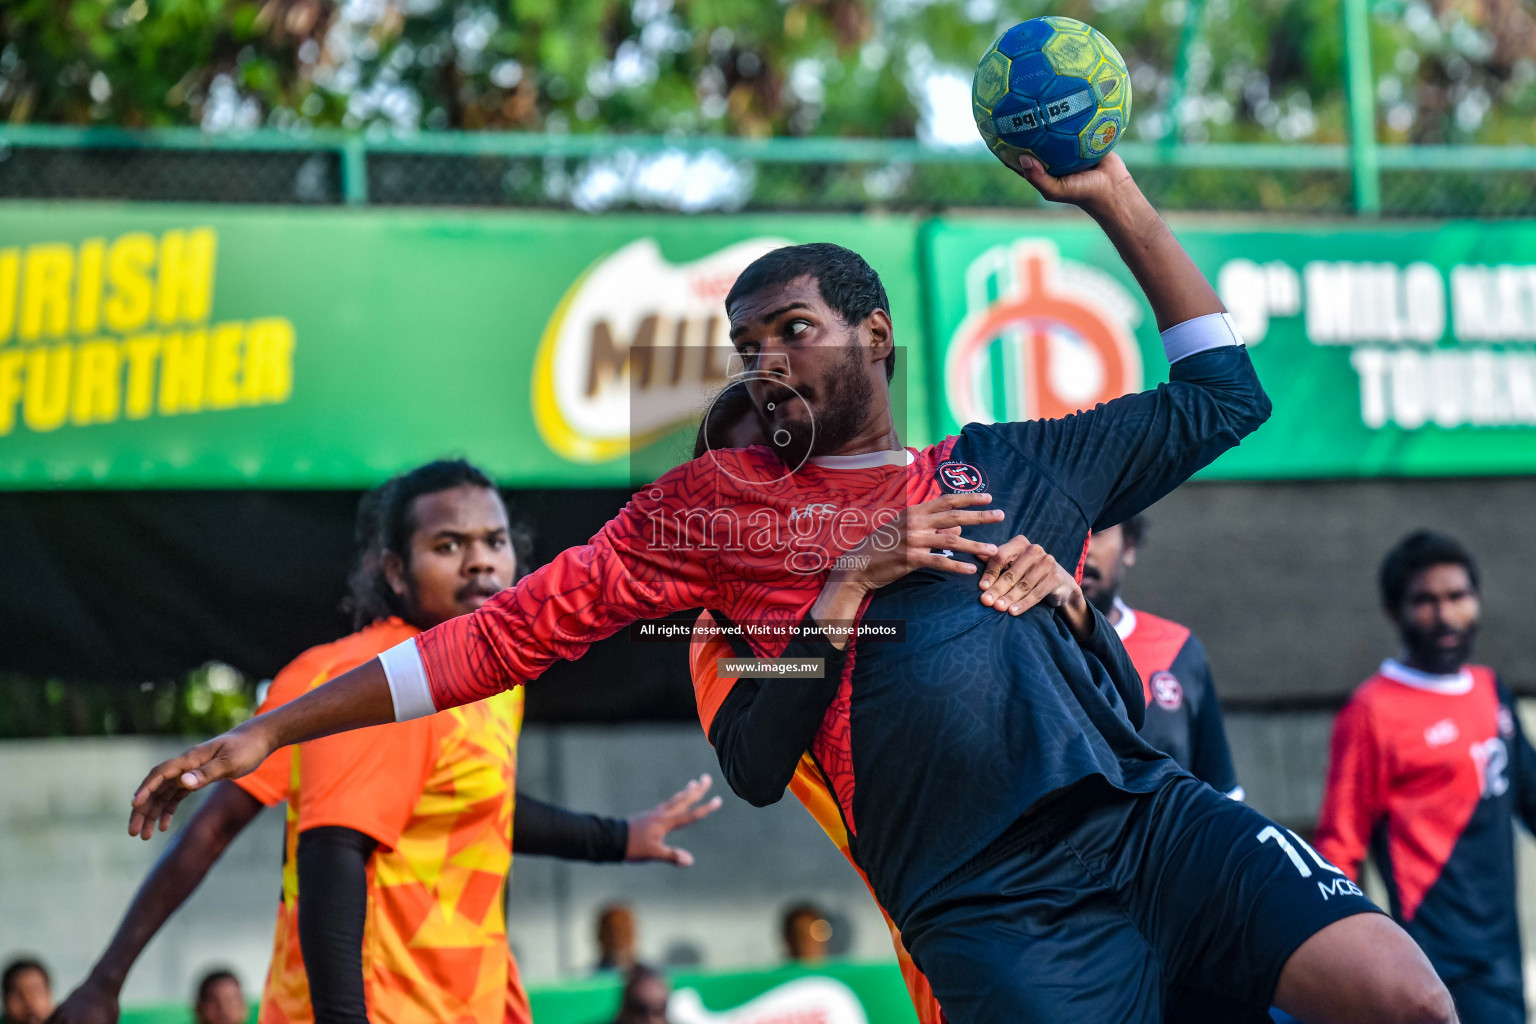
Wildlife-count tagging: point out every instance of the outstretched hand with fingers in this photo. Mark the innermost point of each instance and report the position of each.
(648, 831)
(236, 753)
(916, 538)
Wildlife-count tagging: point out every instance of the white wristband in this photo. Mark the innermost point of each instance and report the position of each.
(407, 681)
(1214, 330)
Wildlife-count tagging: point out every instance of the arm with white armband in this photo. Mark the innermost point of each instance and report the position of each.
(583, 594)
(1120, 457)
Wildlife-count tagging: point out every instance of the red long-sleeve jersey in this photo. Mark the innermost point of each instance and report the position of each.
(1426, 773)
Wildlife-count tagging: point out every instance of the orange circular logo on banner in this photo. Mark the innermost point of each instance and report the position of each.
(1069, 350)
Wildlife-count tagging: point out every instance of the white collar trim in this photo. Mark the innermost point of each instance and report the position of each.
(865, 460)
(1454, 684)
(1127, 624)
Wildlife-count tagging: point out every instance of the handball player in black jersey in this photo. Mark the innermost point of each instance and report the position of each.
(1041, 860)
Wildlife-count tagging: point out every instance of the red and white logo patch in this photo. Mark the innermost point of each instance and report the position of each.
(1442, 732)
(1166, 691)
(961, 478)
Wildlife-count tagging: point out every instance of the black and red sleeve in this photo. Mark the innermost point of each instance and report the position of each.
(764, 726)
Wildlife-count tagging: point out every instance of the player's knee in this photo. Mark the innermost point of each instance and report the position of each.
(1419, 997)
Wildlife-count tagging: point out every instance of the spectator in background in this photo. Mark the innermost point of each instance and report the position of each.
(645, 996)
(616, 938)
(806, 934)
(1183, 717)
(28, 992)
(1429, 765)
(220, 1000)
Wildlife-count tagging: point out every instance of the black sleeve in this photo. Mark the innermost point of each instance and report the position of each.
(764, 725)
(1120, 457)
(550, 831)
(1522, 763)
(1104, 644)
(1210, 756)
(333, 908)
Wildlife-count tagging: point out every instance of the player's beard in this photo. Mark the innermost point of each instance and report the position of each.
(845, 393)
(1099, 594)
(1427, 653)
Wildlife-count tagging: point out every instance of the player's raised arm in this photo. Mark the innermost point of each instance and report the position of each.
(1175, 287)
(1120, 457)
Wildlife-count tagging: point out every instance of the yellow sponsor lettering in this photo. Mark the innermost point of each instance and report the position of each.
(131, 292)
(45, 400)
(93, 252)
(141, 353)
(98, 377)
(183, 358)
(45, 285)
(105, 298)
(10, 388)
(224, 365)
(268, 361)
(185, 285)
(10, 269)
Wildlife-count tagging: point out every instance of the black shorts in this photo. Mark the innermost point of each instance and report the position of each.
(1180, 904)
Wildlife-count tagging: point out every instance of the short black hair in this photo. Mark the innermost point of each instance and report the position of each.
(385, 522)
(793, 913)
(1415, 553)
(847, 283)
(16, 968)
(1134, 530)
(212, 978)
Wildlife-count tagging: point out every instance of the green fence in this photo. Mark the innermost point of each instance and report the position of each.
(607, 172)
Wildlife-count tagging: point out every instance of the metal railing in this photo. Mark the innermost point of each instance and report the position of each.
(630, 171)
(525, 169)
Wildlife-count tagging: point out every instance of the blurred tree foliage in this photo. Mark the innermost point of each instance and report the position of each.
(207, 700)
(1446, 70)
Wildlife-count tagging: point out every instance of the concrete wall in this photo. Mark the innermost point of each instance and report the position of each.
(1279, 579)
(68, 868)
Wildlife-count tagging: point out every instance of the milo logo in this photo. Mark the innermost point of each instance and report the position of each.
(634, 348)
(1043, 337)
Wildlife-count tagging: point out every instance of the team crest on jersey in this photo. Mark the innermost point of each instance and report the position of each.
(961, 478)
(1167, 691)
(1442, 732)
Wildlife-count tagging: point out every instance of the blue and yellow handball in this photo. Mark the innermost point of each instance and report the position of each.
(1054, 88)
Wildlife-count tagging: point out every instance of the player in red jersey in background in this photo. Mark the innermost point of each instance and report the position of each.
(1429, 764)
(1183, 713)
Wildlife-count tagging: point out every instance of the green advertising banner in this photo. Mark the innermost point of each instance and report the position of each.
(185, 346)
(832, 993)
(1387, 349)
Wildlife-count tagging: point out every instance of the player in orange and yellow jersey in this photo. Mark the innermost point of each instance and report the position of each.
(399, 837)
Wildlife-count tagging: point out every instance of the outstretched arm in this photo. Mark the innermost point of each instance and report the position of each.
(1352, 795)
(549, 830)
(175, 875)
(583, 595)
(352, 700)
